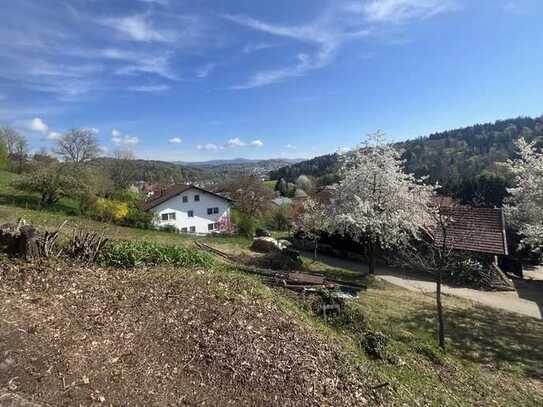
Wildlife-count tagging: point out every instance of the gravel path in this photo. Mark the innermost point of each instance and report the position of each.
(526, 300)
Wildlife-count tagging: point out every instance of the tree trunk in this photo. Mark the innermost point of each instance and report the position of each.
(440, 321)
(371, 258)
(315, 251)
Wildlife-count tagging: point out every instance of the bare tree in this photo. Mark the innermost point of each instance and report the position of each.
(78, 146)
(13, 140)
(251, 195)
(17, 147)
(436, 254)
(122, 169)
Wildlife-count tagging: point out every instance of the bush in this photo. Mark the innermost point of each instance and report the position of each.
(246, 225)
(107, 210)
(137, 218)
(169, 229)
(281, 218)
(128, 254)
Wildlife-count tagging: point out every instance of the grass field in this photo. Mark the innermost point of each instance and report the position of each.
(493, 358)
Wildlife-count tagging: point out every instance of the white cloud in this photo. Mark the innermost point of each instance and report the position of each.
(342, 150)
(290, 146)
(204, 71)
(136, 28)
(54, 135)
(235, 142)
(124, 140)
(208, 147)
(149, 88)
(37, 124)
(175, 140)
(402, 10)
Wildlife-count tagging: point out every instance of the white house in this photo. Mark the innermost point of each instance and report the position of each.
(190, 209)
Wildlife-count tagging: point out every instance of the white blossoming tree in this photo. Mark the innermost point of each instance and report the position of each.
(525, 205)
(377, 203)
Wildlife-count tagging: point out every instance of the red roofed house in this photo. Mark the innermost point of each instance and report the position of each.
(480, 230)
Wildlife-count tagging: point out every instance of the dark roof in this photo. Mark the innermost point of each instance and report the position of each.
(172, 192)
(479, 230)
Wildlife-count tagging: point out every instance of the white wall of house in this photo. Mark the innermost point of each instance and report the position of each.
(200, 221)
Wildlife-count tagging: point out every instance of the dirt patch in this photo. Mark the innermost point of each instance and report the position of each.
(71, 335)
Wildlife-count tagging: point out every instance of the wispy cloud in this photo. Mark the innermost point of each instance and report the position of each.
(205, 70)
(395, 11)
(149, 88)
(290, 146)
(175, 140)
(250, 48)
(159, 66)
(323, 35)
(257, 143)
(137, 28)
(328, 33)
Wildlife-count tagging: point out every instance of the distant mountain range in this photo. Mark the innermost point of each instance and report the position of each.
(279, 162)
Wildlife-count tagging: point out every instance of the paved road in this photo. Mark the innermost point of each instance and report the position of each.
(526, 300)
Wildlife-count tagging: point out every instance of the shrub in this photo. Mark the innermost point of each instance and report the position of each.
(169, 229)
(107, 210)
(246, 225)
(281, 218)
(128, 254)
(137, 218)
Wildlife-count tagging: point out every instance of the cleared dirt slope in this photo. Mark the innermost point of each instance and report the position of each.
(81, 336)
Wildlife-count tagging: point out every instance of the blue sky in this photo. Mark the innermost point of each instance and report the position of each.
(196, 80)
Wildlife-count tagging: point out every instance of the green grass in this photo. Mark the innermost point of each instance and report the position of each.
(270, 184)
(13, 197)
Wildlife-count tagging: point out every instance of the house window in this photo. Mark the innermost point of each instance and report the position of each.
(215, 210)
(168, 216)
(209, 211)
(184, 230)
(191, 214)
(185, 199)
(211, 226)
(192, 229)
(196, 198)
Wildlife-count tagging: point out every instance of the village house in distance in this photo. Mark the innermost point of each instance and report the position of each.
(189, 209)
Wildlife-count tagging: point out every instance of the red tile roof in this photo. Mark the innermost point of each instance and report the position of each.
(172, 192)
(479, 230)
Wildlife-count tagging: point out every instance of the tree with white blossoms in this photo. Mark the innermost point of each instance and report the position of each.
(377, 204)
(313, 219)
(525, 205)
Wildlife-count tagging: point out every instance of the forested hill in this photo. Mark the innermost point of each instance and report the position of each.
(463, 161)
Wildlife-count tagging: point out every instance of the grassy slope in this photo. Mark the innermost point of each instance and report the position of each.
(493, 357)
